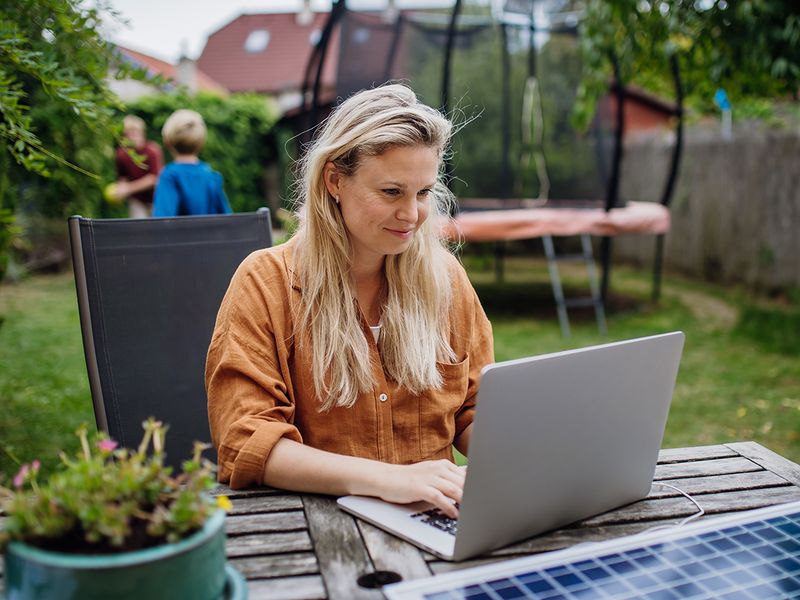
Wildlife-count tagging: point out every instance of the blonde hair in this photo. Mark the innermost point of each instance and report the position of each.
(184, 132)
(133, 121)
(415, 332)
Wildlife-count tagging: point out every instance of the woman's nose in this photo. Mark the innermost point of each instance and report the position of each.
(407, 210)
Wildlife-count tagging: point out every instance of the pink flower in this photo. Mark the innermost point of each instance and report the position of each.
(19, 478)
(35, 465)
(106, 445)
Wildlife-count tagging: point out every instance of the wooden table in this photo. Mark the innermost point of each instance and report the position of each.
(303, 546)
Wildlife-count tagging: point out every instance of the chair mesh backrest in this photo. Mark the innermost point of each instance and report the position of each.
(148, 292)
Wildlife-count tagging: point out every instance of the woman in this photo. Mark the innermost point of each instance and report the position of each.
(346, 361)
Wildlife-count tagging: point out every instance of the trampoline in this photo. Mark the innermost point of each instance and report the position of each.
(444, 54)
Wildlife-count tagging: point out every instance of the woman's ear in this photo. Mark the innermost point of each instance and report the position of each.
(332, 179)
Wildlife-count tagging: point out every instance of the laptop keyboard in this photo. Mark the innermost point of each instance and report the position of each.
(436, 518)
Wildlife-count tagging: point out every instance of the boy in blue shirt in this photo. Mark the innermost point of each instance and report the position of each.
(187, 186)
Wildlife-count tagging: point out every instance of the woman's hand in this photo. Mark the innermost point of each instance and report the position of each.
(439, 482)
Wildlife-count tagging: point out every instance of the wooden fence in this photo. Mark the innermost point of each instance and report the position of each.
(736, 207)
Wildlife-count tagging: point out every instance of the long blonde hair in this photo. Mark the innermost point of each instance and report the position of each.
(415, 332)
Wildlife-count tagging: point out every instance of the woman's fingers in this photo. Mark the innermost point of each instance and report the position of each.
(446, 486)
(438, 482)
(442, 502)
(456, 475)
(450, 489)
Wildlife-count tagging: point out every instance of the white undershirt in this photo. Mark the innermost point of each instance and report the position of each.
(376, 331)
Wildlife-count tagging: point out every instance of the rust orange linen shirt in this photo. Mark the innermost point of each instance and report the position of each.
(260, 386)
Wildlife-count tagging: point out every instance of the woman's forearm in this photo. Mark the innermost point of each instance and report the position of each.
(294, 466)
(301, 468)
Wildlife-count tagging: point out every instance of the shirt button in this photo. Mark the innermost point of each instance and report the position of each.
(383, 397)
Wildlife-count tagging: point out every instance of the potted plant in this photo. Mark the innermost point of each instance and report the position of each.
(114, 522)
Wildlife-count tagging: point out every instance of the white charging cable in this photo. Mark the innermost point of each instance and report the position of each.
(700, 510)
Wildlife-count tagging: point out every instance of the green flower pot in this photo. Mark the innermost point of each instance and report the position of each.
(193, 568)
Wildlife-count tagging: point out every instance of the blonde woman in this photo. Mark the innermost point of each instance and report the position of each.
(346, 361)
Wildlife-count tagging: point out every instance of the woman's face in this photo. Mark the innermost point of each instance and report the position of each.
(385, 201)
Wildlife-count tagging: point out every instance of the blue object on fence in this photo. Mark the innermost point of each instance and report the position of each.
(721, 99)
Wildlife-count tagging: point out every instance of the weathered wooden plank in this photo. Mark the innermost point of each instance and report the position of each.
(768, 460)
(670, 455)
(718, 483)
(571, 536)
(716, 505)
(703, 468)
(342, 556)
(255, 523)
(268, 543)
(306, 587)
(221, 488)
(562, 538)
(677, 507)
(390, 553)
(440, 566)
(271, 503)
(276, 565)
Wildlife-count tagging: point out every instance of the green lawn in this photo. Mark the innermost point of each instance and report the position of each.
(739, 379)
(44, 390)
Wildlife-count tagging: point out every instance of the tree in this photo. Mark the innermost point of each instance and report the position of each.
(749, 47)
(56, 109)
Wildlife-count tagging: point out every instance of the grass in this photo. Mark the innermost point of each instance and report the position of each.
(739, 377)
(44, 389)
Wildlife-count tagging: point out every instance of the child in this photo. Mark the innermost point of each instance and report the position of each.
(136, 180)
(187, 186)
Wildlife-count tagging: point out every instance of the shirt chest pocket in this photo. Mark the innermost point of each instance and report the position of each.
(437, 410)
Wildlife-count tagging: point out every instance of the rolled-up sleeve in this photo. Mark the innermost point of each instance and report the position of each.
(250, 404)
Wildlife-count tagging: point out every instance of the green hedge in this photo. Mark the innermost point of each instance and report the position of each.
(240, 142)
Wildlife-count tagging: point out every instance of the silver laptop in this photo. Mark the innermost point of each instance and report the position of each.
(557, 438)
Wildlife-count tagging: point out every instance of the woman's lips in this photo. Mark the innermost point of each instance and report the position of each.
(401, 233)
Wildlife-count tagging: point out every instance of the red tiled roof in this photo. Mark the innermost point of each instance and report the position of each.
(168, 70)
(279, 67)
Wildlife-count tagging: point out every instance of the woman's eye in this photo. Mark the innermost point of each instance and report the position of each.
(424, 193)
(391, 191)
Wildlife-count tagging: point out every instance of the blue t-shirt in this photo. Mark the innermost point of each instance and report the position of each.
(189, 189)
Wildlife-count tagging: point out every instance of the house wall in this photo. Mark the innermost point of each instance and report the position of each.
(639, 117)
(130, 89)
(736, 207)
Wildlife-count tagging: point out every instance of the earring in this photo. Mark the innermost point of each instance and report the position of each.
(336, 197)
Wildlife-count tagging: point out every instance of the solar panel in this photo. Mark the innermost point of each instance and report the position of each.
(754, 555)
